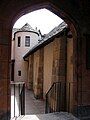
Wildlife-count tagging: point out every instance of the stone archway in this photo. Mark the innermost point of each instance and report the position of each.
(71, 24)
(6, 22)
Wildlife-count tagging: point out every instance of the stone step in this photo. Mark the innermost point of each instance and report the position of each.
(50, 116)
(14, 118)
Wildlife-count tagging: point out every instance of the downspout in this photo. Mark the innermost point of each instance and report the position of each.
(27, 67)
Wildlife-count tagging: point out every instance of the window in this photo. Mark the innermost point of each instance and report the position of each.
(19, 73)
(27, 41)
(19, 41)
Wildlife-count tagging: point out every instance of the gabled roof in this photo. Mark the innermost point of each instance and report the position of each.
(27, 27)
(48, 38)
(55, 31)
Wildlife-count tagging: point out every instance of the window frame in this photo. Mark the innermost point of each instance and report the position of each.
(27, 41)
(19, 41)
(19, 72)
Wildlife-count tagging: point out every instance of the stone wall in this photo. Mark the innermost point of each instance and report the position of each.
(5, 49)
(30, 73)
(84, 82)
(59, 59)
(57, 62)
(38, 74)
(48, 64)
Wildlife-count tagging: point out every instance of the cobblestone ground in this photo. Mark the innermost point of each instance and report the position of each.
(50, 116)
(33, 106)
(35, 109)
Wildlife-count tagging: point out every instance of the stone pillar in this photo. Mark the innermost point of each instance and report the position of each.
(38, 73)
(30, 73)
(59, 59)
(59, 69)
(56, 57)
(5, 51)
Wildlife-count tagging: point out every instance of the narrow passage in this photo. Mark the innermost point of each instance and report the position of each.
(33, 105)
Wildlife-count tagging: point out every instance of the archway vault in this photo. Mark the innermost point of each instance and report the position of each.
(68, 18)
(73, 12)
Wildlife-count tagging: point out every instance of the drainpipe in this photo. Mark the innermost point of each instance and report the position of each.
(27, 67)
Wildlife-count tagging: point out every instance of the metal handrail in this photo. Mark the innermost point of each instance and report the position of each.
(56, 97)
(19, 90)
(52, 86)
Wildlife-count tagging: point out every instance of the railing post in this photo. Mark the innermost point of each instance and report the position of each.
(46, 105)
(24, 99)
(56, 97)
(19, 96)
(68, 97)
(14, 100)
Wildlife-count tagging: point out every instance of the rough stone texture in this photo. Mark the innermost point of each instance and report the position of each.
(4, 72)
(32, 105)
(50, 116)
(48, 62)
(59, 59)
(29, 82)
(38, 74)
(59, 65)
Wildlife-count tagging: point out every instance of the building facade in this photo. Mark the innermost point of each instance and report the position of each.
(24, 39)
(52, 61)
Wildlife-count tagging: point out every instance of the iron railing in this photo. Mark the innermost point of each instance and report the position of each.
(56, 98)
(17, 99)
(61, 97)
(67, 97)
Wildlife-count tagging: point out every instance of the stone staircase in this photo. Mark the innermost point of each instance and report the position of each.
(49, 116)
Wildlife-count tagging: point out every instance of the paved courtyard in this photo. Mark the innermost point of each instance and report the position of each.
(35, 109)
(32, 105)
(51, 116)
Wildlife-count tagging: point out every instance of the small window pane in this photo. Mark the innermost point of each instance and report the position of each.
(19, 41)
(19, 73)
(27, 41)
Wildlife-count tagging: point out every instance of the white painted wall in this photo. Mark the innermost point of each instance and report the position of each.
(20, 64)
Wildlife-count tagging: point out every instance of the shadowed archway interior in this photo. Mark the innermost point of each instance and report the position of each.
(74, 13)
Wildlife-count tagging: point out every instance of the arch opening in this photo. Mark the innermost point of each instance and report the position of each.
(71, 34)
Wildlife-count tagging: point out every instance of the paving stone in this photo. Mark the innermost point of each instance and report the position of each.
(33, 105)
(50, 116)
